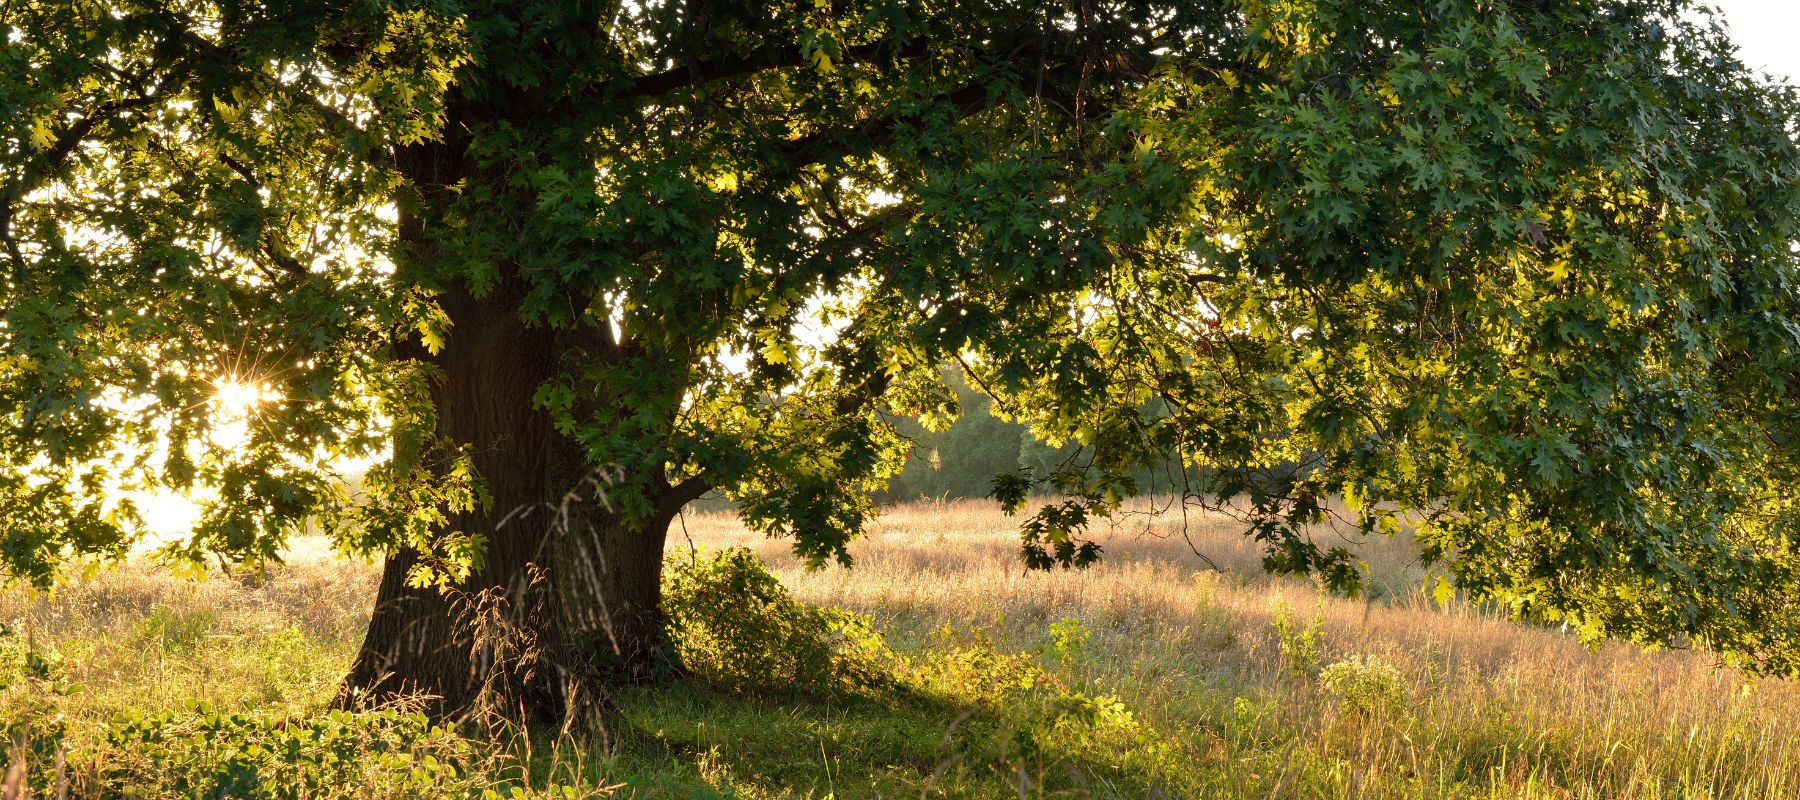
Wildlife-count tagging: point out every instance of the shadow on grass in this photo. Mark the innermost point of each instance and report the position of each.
(786, 699)
(691, 741)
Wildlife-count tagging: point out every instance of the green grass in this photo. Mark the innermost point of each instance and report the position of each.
(1144, 677)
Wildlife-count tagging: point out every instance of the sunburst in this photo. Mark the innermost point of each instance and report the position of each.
(236, 399)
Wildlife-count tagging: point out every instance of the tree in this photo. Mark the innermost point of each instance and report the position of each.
(957, 457)
(1519, 272)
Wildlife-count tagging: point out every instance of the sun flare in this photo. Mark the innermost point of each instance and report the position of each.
(236, 400)
(170, 514)
(238, 396)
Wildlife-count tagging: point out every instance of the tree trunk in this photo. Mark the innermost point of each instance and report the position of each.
(565, 600)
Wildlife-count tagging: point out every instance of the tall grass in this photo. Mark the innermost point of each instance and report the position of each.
(1149, 675)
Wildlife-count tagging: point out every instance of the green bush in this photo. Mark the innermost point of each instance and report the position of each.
(202, 754)
(735, 627)
(1365, 686)
(969, 670)
(1299, 642)
(21, 660)
(1068, 638)
(34, 744)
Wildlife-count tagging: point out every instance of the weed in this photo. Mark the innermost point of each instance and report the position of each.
(1365, 686)
(1299, 642)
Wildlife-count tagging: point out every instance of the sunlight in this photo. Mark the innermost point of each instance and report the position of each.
(236, 400)
(167, 515)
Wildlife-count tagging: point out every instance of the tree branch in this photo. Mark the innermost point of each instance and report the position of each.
(680, 494)
(53, 160)
(269, 245)
(871, 134)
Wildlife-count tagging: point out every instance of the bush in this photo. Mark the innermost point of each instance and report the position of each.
(1365, 686)
(1299, 642)
(735, 627)
(201, 754)
(20, 660)
(33, 748)
(1068, 638)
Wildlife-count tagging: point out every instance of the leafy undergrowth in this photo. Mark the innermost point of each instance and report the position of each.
(914, 678)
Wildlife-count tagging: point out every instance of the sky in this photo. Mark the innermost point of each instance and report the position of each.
(1767, 33)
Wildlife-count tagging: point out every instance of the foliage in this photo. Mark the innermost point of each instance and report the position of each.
(207, 754)
(203, 753)
(1365, 686)
(960, 460)
(735, 627)
(981, 440)
(1068, 637)
(20, 660)
(35, 755)
(1297, 640)
(1517, 272)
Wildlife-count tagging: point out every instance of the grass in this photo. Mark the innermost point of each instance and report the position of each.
(1149, 675)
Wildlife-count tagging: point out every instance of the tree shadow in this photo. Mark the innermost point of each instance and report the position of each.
(899, 742)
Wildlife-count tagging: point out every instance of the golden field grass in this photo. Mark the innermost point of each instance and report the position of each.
(1002, 670)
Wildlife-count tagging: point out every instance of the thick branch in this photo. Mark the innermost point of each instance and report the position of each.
(680, 494)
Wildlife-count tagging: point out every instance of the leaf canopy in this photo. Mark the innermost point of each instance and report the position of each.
(1520, 274)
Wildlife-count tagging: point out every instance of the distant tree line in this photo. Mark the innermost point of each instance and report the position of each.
(961, 461)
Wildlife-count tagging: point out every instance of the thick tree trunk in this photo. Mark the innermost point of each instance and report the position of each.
(611, 592)
(565, 601)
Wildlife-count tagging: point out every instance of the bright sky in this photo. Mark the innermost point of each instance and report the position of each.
(1767, 33)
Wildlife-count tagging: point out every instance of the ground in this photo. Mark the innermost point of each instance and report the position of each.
(1150, 675)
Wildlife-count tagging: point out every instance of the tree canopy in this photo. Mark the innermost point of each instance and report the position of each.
(1517, 273)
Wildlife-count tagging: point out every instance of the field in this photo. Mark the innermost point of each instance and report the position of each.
(1150, 675)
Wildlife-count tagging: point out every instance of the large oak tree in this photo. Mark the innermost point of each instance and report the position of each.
(1518, 273)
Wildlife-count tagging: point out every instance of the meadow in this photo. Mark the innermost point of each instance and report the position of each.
(936, 667)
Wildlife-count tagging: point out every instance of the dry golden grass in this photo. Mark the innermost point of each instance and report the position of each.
(1526, 710)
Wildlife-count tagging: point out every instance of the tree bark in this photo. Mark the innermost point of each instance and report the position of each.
(566, 599)
(565, 602)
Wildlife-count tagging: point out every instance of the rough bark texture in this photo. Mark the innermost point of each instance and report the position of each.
(566, 599)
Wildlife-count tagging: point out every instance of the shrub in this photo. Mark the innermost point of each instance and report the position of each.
(1365, 686)
(735, 627)
(21, 659)
(1299, 642)
(1068, 637)
(384, 753)
(33, 746)
(201, 754)
(967, 669)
